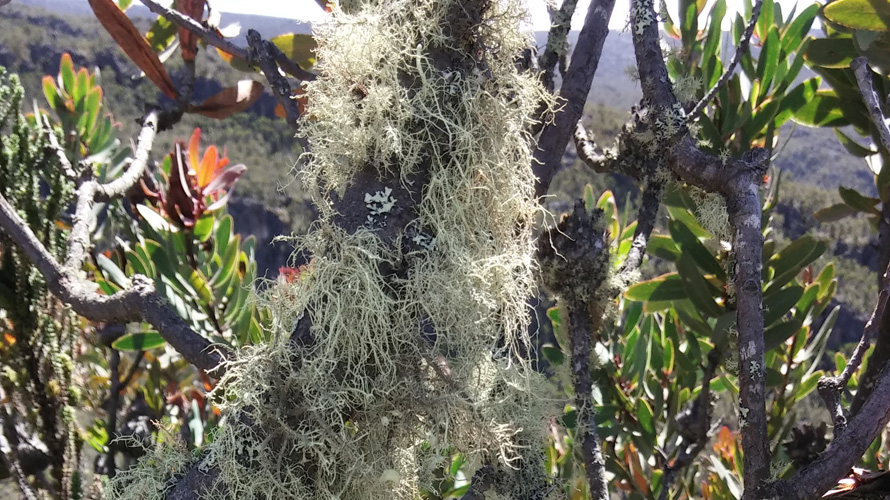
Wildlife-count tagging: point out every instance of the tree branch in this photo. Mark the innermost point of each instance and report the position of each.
(576, 253)
(740, 52)
(575, 87)
(141, 302)
(830, 388)
(557, 42)
(738, 181)
(11, 462)
(212, 38)
(265, 54)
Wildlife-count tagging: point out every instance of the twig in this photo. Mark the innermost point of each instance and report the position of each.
(701, 425)
(830, 388)
(587, 152)
(14, 467)
(645, 224)
(575, 87)
(263, 53)
(740, 52)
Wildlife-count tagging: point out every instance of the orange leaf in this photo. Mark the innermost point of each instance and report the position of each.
(279, 111)
(230, 100)
(193, 148)
(207, 170)
(9, 339)
(133, 44)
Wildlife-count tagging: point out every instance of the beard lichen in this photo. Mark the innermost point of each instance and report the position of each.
(402, 370)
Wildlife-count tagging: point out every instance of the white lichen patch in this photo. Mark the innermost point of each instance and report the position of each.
(381, 202)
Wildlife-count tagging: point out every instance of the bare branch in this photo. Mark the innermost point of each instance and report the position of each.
(843, 452)
(645, 224)
(575, 87)
(701, 413)
(587, 152)
(11, 462)
(120, 186)
(557, 42)
(830, 388)
(740, 52)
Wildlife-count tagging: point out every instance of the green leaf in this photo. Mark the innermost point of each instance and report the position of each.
(853, 147)
(644, 416)
(204, 227)
(795, 99)
(139, 341)
(777, 305)
(111, 270)
(792, 259)
(816, 348)
(607, 204)
(869, 15)
(553, 354)
(776, 335)
(797, 31)
(803, 389)
(769, 58)
(155, 220)
(161, 34)
(722, 328)
(710, 57)
(823, 110)
(691, 245)
(298, 48)
(663, 247)
(834, 212)
(831, 52)
(697, 288)
(66, 73)
(856, 200)
(589, 198)
(663, 288)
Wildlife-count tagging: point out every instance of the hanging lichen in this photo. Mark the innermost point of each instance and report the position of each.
(415, 343)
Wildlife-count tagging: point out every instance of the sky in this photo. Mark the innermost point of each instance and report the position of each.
(308, 10)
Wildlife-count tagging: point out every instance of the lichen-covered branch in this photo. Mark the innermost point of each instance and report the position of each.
(740, 51)
(557, 42)
(870, 98)
(738, 181)
(575, 87)
(575, 255)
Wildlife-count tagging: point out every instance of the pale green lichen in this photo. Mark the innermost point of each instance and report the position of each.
(373, 407)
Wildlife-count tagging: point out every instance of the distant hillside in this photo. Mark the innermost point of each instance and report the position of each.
(34, 34)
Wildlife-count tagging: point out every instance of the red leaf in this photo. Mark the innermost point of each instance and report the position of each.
(188, 41)
(133, 44)
(230, 100)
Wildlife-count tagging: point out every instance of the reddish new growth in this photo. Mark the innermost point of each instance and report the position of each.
(194, 184)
